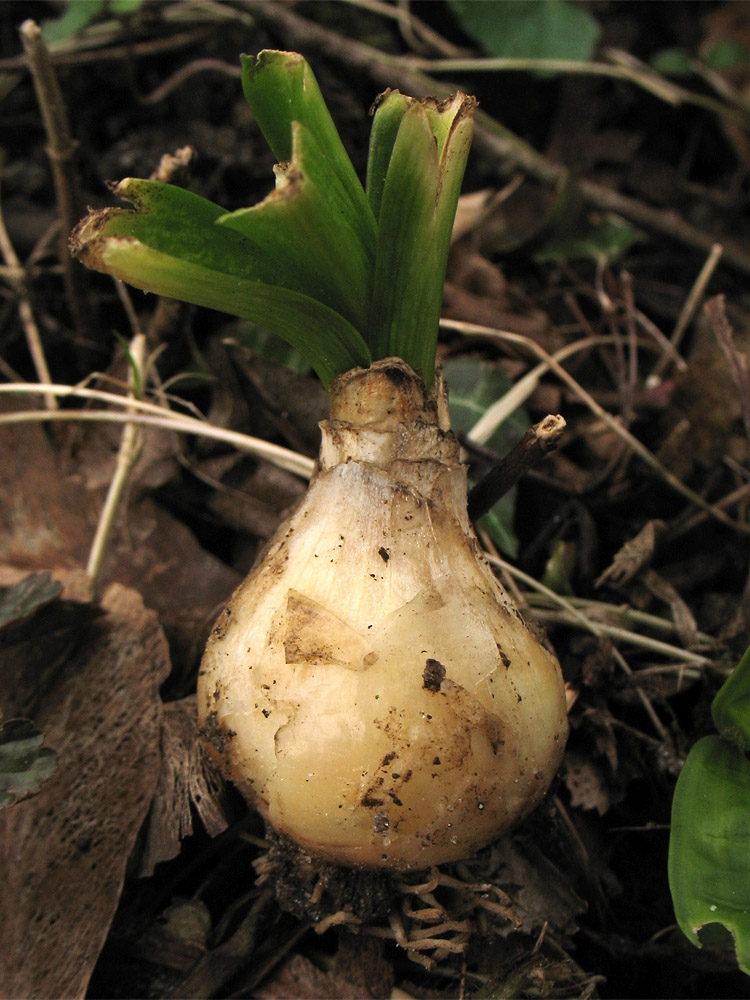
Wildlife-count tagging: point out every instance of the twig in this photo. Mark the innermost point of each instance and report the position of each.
(131, 444)
(634, 619)
(593, 627)
(17, 277)
(689, 308)
(61, 152)
(87, 50)
(520, 391)
(150, 415)
(185, 72)
(625, 67)
(736, 360)
(533, 448)
(473, 329)
(413, 29)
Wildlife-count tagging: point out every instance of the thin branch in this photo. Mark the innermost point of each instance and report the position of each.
(473, 329)
(129, 451)
(632, 71)
(690, 307)
(149, 415)
(16, 275)
(61, 150)
(595, 628)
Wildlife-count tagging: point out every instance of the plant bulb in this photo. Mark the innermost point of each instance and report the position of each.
(370, 687)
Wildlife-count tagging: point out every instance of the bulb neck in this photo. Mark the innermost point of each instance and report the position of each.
(384, 414)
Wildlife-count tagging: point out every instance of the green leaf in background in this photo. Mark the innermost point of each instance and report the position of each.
(604, 240)
(709, 844)
(727, 55)
(20, 601)
(474, 385)
(268, 346)
(529, 29)
(78, 14)
(672, 62)
(560, 567)
(24, 763)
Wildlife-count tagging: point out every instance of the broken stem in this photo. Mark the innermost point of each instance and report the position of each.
(636, 446)
(533, 448)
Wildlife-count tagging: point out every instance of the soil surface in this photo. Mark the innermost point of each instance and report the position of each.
(594, 206)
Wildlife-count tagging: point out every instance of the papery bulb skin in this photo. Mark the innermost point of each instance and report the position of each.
(370, 687)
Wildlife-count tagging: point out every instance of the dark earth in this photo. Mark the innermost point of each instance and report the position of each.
(134, 872)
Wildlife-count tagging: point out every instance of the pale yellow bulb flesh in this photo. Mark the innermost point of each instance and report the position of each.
(370, 687)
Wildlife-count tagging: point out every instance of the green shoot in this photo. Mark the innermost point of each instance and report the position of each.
(344, 275)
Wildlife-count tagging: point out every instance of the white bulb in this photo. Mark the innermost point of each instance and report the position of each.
(370, 687)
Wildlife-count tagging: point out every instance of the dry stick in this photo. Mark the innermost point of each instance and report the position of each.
(61, 151)
(185, 72)
(490, 137)
(635, 445)
(533, 448)
(621, 67)
(690, 307)
(131, 444)
(17, 276)
(151, 415)
(87, 51)
(595, 628)
(736, 360)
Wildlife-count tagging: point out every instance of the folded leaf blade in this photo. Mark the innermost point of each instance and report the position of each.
(172, 246)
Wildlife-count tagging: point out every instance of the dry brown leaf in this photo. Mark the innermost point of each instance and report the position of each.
(50, 504)
(705, 404)
(188, 781)
(633, 556)
(585, 783)
(359, 972)
(64, 852)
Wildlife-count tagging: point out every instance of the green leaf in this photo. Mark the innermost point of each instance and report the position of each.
(24, 763)
(474, 386)
(171, 245)
(281, 89)
(728, 55)
(529, 29)
(604, 240)
(74, 18)
(672, 62)
(389, 111)
(20, 601)
(304, 230)
(559, 569)
(78, 14)
(731, 706)
(709, 847)
(417, 209)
